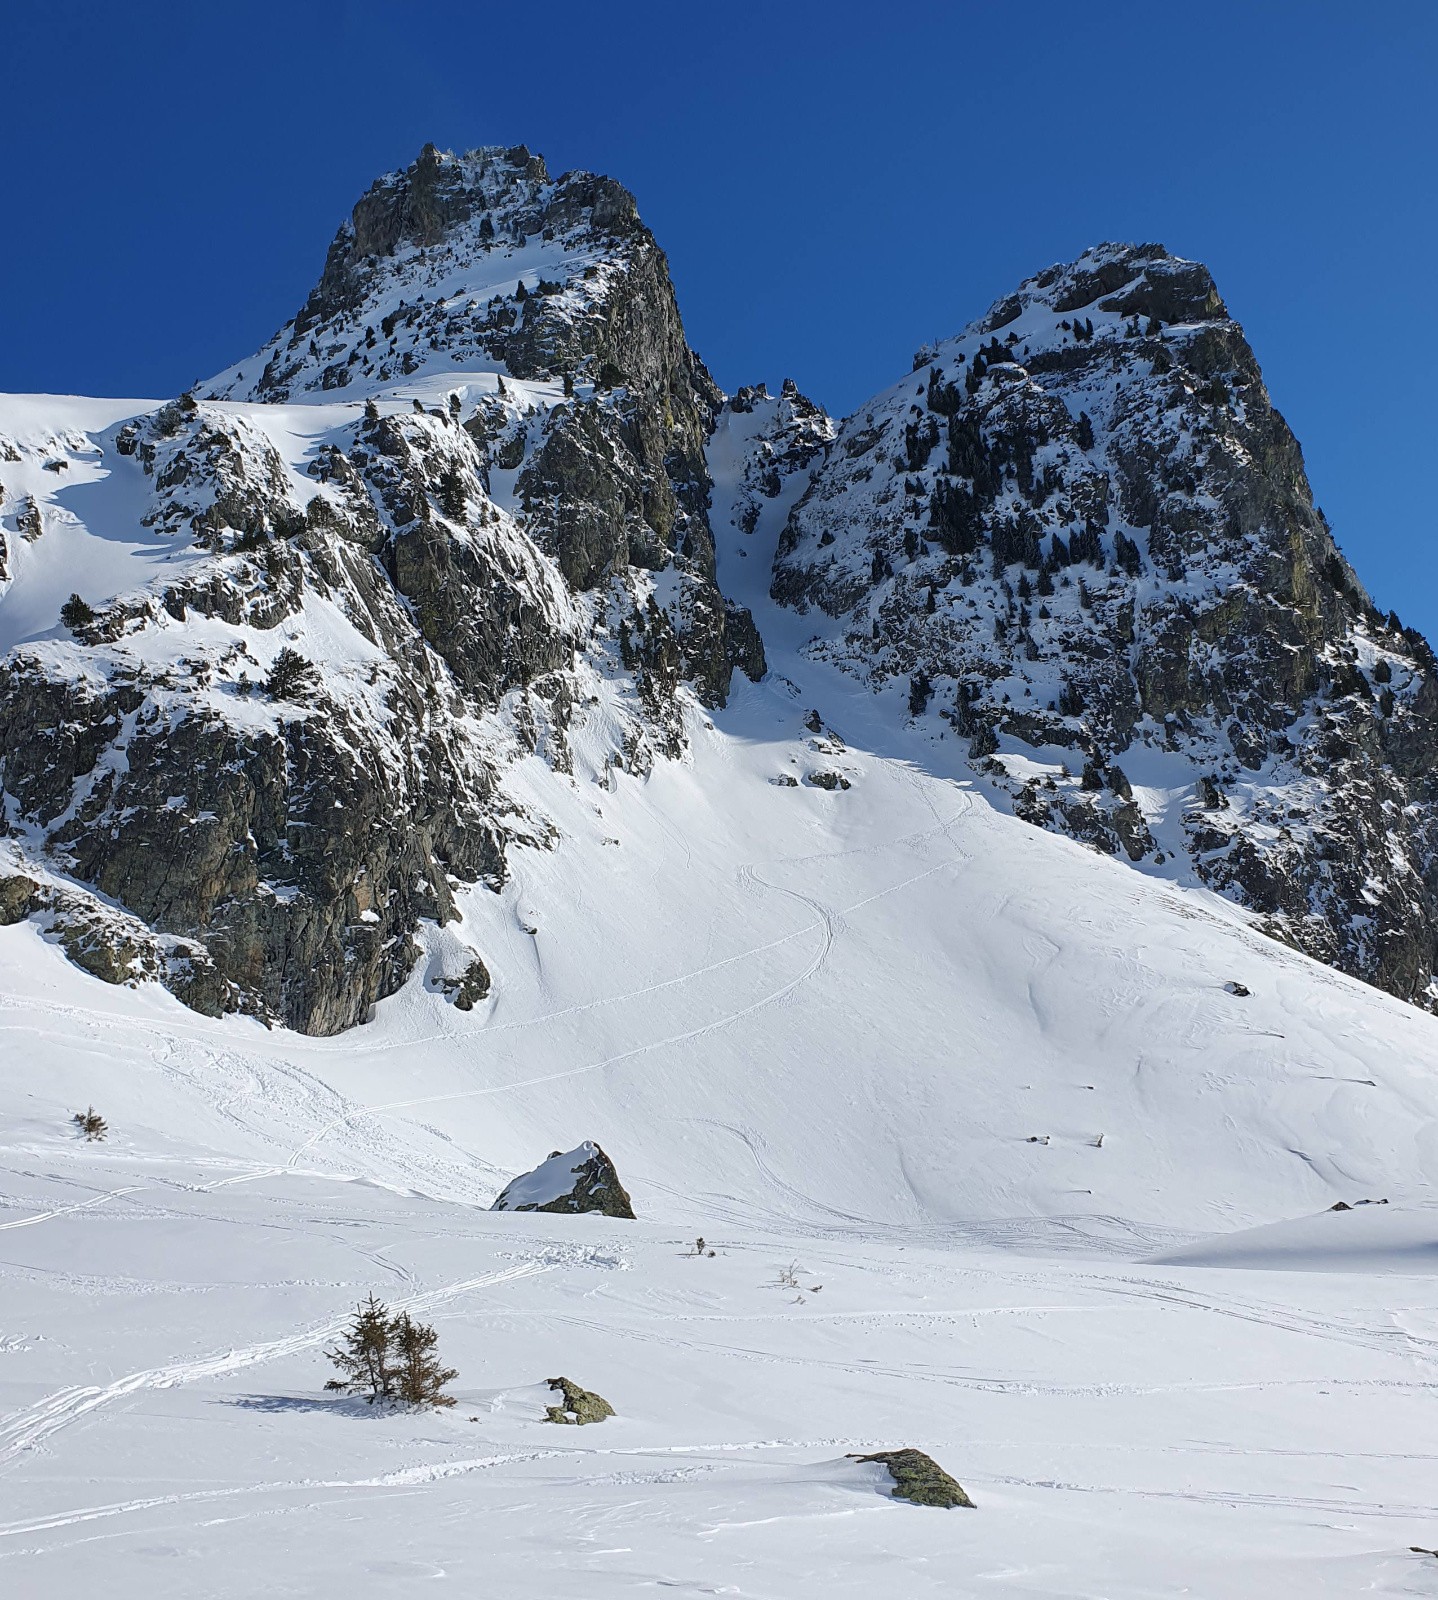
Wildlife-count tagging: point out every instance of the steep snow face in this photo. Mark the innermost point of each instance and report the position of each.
(1080, 535)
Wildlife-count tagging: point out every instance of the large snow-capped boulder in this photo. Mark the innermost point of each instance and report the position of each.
(569, 1181)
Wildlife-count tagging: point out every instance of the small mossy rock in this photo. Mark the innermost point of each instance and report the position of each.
(576, 1405)
(569, 1182)
(468, 989)
(920, 1479)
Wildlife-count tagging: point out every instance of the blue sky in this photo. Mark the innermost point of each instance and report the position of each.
(835, 183)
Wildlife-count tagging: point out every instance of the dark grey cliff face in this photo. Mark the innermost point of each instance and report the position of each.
(294, 835)
(1081, 530)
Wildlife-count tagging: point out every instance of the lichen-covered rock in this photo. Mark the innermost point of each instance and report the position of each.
(919, 1479)
(576, 1405)
(567, 1182)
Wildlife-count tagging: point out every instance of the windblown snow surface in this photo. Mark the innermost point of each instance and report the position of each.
(990, 1160)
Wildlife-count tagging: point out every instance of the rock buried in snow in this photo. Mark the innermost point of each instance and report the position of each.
(919, 1478)
(576, 1405)
(570, 1181)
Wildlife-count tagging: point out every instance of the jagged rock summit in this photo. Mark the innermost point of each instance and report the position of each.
(569, 1182)
(1080, 537)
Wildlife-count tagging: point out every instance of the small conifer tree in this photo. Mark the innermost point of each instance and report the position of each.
(91, 1123)
(453, 501)
(291, 677)
(75, 613)
(388, 1358)
(363, 1354)
(420, 1379)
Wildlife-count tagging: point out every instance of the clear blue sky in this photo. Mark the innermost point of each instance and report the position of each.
(834, 183)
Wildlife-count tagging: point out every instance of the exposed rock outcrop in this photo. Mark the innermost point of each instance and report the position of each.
(568, 1182)
(466, 989)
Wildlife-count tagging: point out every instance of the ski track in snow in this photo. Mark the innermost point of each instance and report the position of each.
(30, 1428)
(825, 923)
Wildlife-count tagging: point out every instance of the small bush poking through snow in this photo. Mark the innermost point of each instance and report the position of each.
(91, 1123)
(75, 613)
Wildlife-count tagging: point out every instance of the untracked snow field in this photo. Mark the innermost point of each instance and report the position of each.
(991, 1163)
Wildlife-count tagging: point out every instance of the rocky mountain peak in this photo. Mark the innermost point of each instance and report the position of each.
(302, 691)
(1081, 538)
(479, 258)
(1142, 280)
(460, 511)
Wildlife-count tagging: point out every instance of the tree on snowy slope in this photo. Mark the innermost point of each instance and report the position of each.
(384, 1357)
(363, 1354)
(420, 1376)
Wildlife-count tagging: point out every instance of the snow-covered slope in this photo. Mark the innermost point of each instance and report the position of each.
(963, 1077)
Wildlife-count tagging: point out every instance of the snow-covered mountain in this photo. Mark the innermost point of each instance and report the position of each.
(471, 485)
(409, 674)
(1080, 535)
(487, 537)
